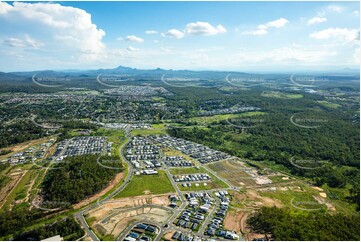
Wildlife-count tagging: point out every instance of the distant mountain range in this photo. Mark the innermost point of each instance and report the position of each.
(122, 70)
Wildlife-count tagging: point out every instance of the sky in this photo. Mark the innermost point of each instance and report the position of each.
(239, 36)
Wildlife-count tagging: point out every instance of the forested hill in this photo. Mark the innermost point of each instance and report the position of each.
(315, 226)
(78, 178)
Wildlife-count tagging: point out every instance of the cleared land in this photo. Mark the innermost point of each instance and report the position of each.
(147, 184)
(297, 197)
(22, 146)
(18, 191)
(235, 220)
(233, 172)
(113, 217)
(221, 117)
(115, 223)
(159, 130)
(329, 104)
(7, 192)
(282, 95)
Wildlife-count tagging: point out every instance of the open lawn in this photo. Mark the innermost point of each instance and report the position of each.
(187, 170)
(282, 95)
(112, 134)
(145, 132)
(158, 99)
(147, 184)
(278, 179)
(117, 136)
(170, 152)
(158, 126)
(329, 104)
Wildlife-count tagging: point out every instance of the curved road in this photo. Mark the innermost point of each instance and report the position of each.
(80, 215)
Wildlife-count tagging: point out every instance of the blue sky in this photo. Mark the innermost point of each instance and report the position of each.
(242, 36)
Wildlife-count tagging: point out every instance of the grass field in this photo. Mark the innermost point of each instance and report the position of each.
(116, 136)
(338, 196)
(147, 184)
(4, 179)
(277, 179)
(19, 189)
(158, 99)
(221, 117)
(112, 134)
(158, 126)
(296, 200)
(282, 95)
(170, 152)
(145, 132)
(329, 104)
(187, 170)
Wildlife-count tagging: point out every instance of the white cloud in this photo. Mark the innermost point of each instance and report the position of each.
(151, 32)
(356, 13)
(73, 26)
(174, 33)
(335, 8)
(26, 42)
(256, 32)
(344, 35)
(316, 20)
(131, 48)
(203, 28)
(4, 7)
(262, 29)
(276, 24)
(196, 28)
(133, 38)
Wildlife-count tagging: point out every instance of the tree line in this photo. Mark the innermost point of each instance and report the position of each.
(284, 224)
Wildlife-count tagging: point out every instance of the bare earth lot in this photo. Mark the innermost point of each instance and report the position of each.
(114, 216)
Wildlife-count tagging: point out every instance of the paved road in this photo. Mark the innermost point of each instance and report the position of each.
(208, 219)
(80, 215)
(200, 233)
(32, 119)
(170, 226)
(176, 211)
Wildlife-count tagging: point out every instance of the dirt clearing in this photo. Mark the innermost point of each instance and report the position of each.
(236, 220)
